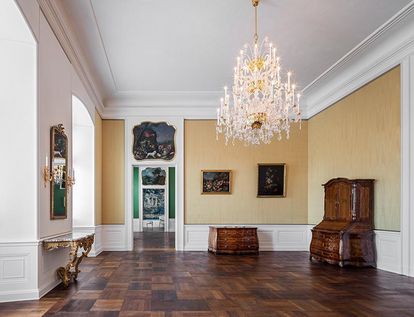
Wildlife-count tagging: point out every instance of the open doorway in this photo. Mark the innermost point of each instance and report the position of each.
(83, 144)
(154, 195)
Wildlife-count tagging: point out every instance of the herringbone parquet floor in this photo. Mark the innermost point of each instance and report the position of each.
(168, 283)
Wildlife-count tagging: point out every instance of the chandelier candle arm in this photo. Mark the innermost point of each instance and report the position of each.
(264, 105)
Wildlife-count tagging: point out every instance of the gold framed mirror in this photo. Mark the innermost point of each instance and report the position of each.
(59, 172)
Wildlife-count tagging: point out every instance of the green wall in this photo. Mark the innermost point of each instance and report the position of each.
(58, 200)
(136, 192)
(171, 192)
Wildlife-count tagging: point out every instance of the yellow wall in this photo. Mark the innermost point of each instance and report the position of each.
(202, 151)
(98, 169)
(113, 167)
(359, 137)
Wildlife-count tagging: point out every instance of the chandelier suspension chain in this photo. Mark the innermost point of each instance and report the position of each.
(256, 34)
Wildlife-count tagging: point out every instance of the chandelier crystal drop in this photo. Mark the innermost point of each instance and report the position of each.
(264, 103)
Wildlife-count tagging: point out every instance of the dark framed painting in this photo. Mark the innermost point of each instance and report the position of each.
(154, 141)
(216, 182)
(272, 180)
(154, 176)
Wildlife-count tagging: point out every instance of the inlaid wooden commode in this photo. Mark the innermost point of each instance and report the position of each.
(233, 240)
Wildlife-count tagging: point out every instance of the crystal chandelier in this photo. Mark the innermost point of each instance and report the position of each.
(263, 104)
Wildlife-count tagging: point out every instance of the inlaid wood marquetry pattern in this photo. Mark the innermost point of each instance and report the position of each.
(169, 284)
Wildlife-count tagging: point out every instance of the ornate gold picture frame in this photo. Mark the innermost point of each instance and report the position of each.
(216, 182)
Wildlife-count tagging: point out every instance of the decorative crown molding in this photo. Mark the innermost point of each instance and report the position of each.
(62, 33)
(378, 52)
(346, 75)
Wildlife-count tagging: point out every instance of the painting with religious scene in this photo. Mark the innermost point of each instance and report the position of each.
(154, 141)
(153, 176)
(272, 180)
(153, 203)
(216, 182)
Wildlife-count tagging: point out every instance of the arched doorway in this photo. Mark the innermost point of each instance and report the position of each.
(83, 144)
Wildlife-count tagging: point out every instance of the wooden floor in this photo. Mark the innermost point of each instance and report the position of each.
(168, 283)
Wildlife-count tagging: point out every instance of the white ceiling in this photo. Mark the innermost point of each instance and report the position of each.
(138, 47)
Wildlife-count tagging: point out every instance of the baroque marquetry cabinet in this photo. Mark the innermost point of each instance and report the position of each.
(233, 240)
(346, 236)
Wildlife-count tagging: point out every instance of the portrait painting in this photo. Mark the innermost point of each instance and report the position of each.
(216, 182)
(154, 141)
(153, 203)
(272, 180)
(154, 176)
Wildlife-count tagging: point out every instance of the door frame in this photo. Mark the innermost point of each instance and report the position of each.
(166, 197)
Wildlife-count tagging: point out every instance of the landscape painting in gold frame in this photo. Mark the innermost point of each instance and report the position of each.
(216, 182)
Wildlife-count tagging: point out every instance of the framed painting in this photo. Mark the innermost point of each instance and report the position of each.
(271, 180)
(216, 182)
(153, 205)
(154, 141)
(153, 176)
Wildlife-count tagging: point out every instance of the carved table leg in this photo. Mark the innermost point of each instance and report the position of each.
(87, 246)
(64, 275)
(72, 268)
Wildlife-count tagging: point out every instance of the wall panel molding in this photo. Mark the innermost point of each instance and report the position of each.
(271, 237)
(388, 251)
(18, 271)
(114, 238)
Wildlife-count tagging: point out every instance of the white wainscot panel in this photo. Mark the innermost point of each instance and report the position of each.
(388, 245)
(271, 237)
(18, 271)
(113, 238)
(196, 237)
(49, 262)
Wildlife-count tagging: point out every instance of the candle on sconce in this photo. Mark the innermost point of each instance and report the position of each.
(47, 161)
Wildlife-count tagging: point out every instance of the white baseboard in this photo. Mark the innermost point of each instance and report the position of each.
(271, 237)
(388, 245)
(114, 238)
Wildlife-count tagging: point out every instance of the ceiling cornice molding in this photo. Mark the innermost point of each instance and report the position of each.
(364, 44)
(194, 112)
(162, 99)
(69, 46)
(343, 77)
(380, 51)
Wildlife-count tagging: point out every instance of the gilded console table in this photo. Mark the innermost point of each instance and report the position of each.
(74, 241)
